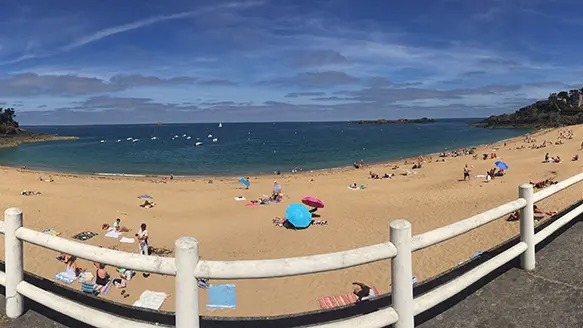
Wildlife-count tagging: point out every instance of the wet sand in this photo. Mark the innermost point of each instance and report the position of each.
(228, 230)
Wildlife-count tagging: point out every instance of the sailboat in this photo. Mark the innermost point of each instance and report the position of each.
(220, 125)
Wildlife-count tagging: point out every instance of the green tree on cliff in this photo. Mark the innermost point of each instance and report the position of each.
(8, 123)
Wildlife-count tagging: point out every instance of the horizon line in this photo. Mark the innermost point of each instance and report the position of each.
(217, 122)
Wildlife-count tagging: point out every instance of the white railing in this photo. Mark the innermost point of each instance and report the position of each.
(187, 266)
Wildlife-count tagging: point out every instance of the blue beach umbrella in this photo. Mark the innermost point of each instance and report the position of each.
(245, 182)
(501, 165)
(298, 215)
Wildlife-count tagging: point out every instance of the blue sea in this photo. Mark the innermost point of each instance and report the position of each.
(241, 147)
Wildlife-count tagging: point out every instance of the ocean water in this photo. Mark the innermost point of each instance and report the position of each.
(241, 147)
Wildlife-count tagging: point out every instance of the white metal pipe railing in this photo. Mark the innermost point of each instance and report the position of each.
(152, 264)
(444, 233)
(451, 288)
(294, 266)
(558, 224)
(380, 318)
(551, 190)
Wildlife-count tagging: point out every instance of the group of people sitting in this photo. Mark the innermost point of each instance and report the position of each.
(375, 176)
(557, 159)
(102, 278)
(543, 184)
(538, 214)
(491, 174)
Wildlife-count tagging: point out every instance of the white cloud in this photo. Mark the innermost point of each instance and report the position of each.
(111, 31)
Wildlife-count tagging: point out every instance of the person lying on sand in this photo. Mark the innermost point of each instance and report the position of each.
(352, 186)
(575, 158)
(147, 204)
(362, 291)
(373, 175)
(29, 193)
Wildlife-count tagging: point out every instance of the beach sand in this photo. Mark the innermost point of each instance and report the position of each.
(228, 230)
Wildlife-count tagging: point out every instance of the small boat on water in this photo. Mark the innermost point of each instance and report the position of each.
(102, 141)
(154, 138)
(184, 135)
(118, 140)
(220, 125)
(188, 138)
(198, 143)
(135, 140)
(215, 139)
(210, 135)
(130, 138)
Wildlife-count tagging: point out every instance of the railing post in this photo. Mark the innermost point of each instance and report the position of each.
(402, 273)
(527, 259)
(186, 257)
(14, 262)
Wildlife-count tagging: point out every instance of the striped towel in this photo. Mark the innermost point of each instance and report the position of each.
(329, 302)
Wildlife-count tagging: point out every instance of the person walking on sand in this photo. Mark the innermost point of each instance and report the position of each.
(467, 171)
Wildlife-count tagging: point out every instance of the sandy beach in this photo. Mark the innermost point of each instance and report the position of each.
(228, 230)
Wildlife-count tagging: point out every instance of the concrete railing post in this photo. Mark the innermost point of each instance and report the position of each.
(14, 262)
(402, 273)
(186, 257)
(527, 259)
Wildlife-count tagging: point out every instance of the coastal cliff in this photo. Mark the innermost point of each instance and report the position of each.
(399, 121)
(559, 109)
(11, 135)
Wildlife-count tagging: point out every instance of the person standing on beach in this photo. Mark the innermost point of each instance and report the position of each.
(467, 171)
(143, 240)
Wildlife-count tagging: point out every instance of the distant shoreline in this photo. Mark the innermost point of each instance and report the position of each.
(13, 141)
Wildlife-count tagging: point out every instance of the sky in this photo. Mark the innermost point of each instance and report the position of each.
(143, 61)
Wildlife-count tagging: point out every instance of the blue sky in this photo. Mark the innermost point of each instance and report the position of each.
(137, 61)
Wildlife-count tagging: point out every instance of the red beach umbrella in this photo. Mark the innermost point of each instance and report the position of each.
(313, 202)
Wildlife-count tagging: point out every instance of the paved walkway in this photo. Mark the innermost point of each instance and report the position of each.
(551, 296)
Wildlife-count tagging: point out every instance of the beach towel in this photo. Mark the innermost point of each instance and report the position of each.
(113, 234)
(329, 302)
(252, 204)
(151, 300)
(87, 287)
(51, 232)
(86, 277)
(84, 235)
(221, 297)
(67, 277)
(127, 240)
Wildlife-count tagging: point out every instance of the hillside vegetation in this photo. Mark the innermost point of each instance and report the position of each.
(559, 109)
